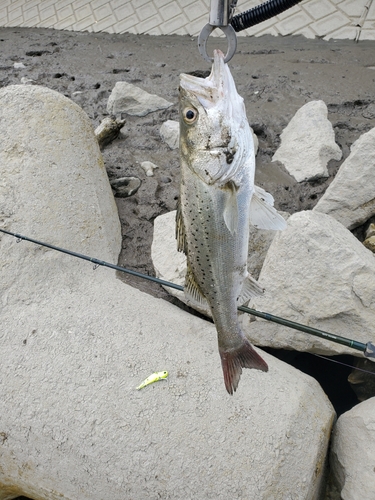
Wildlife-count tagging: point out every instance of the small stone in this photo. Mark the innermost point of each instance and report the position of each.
(25, 80)
(18, 65)
(125, 186)
(370, 243)
(170, 133)
(127, 98)
(369, 112)
(149, 168)
(370, 230)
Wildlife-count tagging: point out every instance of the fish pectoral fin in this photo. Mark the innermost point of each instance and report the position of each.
(231, 208)
(193, 294)
(180, 231)
(263, 215)
(250, 288)
(262, 193)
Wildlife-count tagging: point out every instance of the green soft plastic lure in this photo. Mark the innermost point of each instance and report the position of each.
(155, 377)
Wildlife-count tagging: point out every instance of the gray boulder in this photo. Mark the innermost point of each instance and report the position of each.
(316, 273)
(350, 196)
(352, 457)
(308, 143)
(75, 344)
(51, 170)
(130, 99)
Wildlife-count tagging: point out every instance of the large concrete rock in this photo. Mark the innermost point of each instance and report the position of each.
(350, 197)
(75, 343)
(352, 456)
(316, 273)
(51, 172)
(308, 143)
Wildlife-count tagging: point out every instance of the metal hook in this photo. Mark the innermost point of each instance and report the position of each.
(230, 35)
(95, 267)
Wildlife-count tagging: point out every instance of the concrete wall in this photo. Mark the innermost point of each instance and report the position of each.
(350, 19)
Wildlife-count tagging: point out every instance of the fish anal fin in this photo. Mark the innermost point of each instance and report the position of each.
(263, 215)
(231, 207)
(180, 231)
(250, 288)
(193, 294)
(232, 362)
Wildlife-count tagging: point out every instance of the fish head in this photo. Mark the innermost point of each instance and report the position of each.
(215, 138)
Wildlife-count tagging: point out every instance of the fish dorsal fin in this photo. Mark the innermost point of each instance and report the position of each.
(180, 230)
(193, 294)
(231, 207)
(250, 288)
(262, 214)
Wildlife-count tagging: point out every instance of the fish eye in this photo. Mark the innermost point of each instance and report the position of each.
(190, 115)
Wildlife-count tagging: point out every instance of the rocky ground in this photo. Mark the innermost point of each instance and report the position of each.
(276, 76)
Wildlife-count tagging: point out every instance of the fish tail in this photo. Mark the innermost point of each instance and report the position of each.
(234, 360)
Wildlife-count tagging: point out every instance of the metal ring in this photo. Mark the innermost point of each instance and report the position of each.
(230, 35)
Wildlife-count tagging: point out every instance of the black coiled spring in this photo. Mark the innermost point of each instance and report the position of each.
(261, 13)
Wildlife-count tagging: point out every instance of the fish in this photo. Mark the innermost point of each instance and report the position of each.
(217, 202)
(154, 377)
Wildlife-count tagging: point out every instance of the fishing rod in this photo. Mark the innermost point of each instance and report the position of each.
(368, 349)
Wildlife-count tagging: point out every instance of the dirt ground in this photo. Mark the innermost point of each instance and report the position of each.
(275, 76)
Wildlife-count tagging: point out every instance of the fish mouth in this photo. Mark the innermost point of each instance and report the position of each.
(218, 85)
(192, 83)
(209, 90)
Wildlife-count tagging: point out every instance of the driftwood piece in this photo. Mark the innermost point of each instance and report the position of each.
(108, 130)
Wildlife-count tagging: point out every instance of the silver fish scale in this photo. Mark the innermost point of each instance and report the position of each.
(217, 258)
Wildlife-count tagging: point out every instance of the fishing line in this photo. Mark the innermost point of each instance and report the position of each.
(341, 363)
(368, 350)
